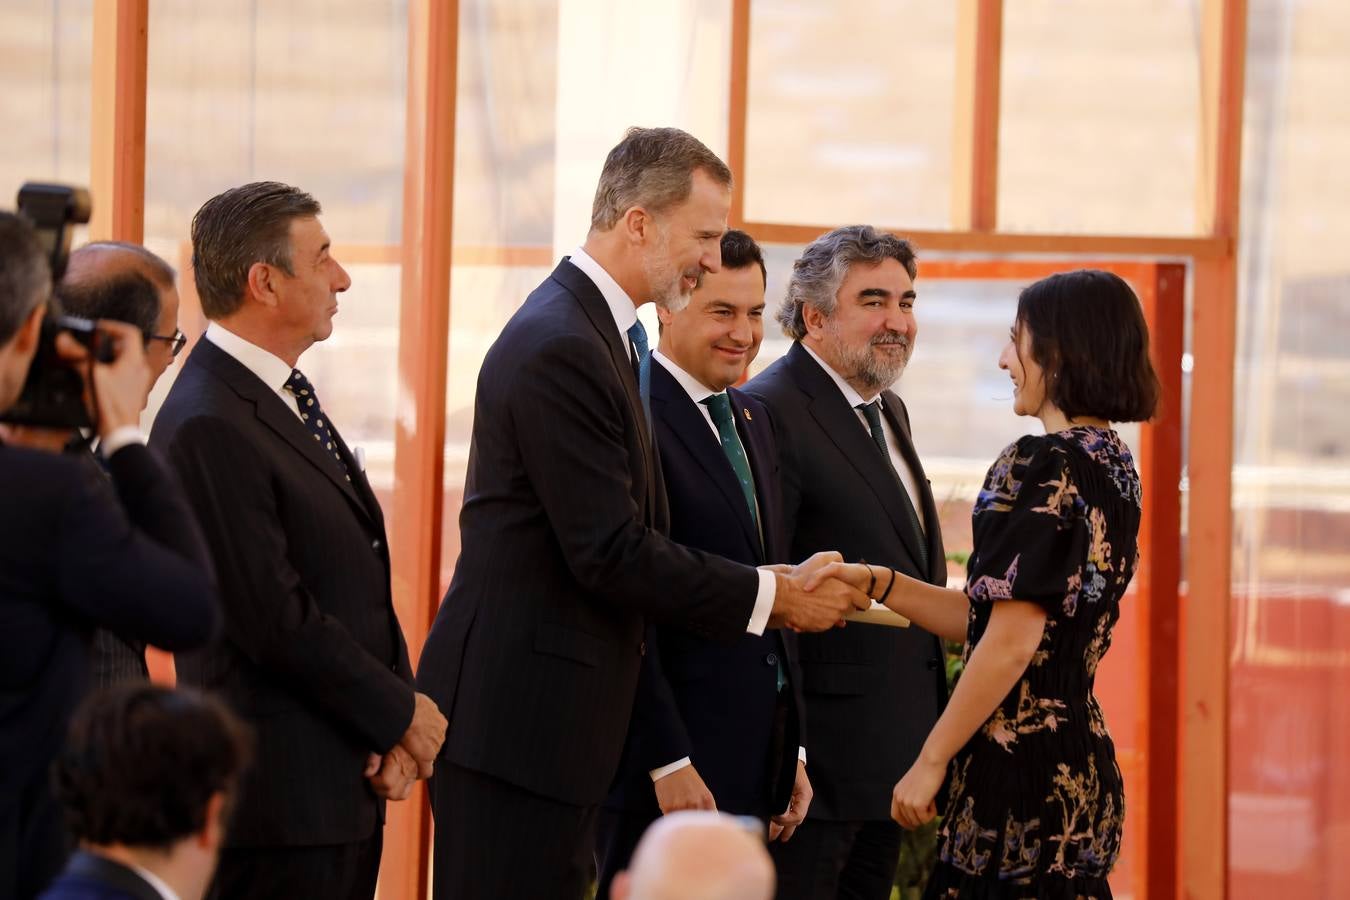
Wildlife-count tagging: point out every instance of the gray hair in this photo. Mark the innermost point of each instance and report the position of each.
(25, 274)
(652, 168)
(232, 231)
(824, 265)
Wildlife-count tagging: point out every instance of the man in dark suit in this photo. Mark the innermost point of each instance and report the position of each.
(146, 778)
(852, 480)
(77, 551)
(126, 283)
(715, 725)
(313, 656)
(535, 651)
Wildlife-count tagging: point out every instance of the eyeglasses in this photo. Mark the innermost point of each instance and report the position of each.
(177, 341)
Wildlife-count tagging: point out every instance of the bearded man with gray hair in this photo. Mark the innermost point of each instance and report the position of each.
(853, 482)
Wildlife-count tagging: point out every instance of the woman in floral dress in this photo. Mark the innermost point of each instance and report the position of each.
(1033, 805)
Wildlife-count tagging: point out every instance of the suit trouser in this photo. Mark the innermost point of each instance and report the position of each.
(333, 871)
(845, 860)
(497, 841)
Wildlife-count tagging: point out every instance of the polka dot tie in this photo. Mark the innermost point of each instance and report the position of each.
(313, 416)
(719, 407)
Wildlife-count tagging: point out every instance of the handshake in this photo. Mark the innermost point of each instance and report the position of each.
(807, 603)
(391, 776)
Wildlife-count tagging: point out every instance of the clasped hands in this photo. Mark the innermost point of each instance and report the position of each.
(413, 757)
(808, 599)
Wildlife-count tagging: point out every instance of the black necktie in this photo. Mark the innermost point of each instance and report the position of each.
(873, 413)
(313, 417)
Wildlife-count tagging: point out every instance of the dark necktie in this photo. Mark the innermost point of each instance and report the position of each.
(642, 360)
(873, 413)
(719, 405)
(313, 417)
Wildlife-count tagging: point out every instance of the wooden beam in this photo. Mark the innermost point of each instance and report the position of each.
(738, 105)
(997, 242)
(117, 139)
(975, 121)
(1207, 617)
(423, 355)
(1159, 580)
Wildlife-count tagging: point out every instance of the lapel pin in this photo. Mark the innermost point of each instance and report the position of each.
(748, 417)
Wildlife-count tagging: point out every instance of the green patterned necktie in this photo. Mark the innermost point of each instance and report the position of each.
(873, 413)
(719, 405)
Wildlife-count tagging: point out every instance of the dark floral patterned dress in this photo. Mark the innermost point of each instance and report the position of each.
(1034, 802)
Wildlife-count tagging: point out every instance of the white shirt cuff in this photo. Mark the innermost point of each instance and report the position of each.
(801, 754)
(677, 765)
(764, 597)
(119, 438)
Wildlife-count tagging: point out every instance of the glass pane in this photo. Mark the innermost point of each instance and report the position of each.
(1289, 810)
(850, 112)
(1100, 116)
(45, 53)
(241, 91)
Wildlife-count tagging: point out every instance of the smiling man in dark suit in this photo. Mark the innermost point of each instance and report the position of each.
(313, 656)
(535, 651)
(715, 725)
(852, 481)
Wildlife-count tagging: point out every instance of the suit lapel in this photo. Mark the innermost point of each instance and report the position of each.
(272, 412)
(593, 304)
(842, 425)
(893, 409)
(672, 404)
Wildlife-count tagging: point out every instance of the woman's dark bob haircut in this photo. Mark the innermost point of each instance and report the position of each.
(1088, 334)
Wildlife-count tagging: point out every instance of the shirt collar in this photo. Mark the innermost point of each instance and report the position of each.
(851, 396)
(697, 390)
(621, 306)
(156, 882)
(271, 369)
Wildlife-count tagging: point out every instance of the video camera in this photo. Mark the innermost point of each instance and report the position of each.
(53, 394)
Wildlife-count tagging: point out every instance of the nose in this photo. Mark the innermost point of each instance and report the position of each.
(343, 280)
(1003, 356)
(898, 320)
(742, 332)
(711, 260)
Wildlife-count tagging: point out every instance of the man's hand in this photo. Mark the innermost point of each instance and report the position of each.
(425, 735)
(817, 609)
(120, 386)
(393, 774)
(782, 826)
(683, 789)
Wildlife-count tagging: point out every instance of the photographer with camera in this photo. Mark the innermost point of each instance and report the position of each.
(77, 551)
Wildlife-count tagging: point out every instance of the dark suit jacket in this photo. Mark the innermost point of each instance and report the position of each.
(72, 557)
(91, 877)
(872, 692)
(715, 702)
(312, 655)
(535, 650)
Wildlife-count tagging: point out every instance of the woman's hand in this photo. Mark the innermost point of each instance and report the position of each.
(912, 800)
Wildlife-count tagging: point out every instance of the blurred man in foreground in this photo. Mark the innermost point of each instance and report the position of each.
(146, 779)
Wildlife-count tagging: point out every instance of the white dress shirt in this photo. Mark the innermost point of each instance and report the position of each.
(271, 369)
(624, 311)
(854, 400)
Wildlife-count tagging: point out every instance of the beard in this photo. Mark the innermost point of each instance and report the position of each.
(862, 364)
(665, 281)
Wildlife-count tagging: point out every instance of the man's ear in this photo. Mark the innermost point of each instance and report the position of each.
(260, 285)
(638, 225)
(213, 832)
(813, 319)
(26, 338)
